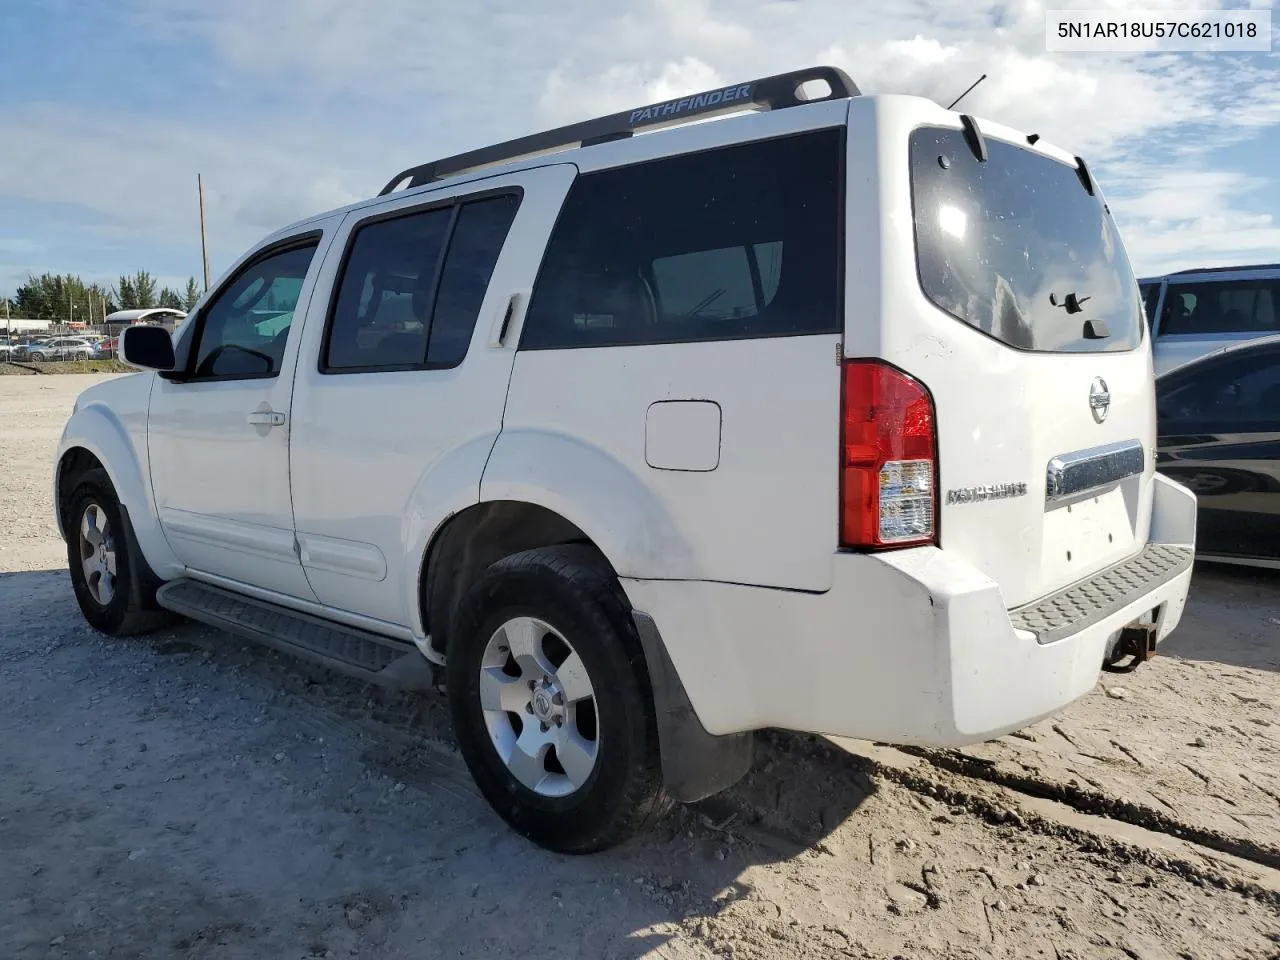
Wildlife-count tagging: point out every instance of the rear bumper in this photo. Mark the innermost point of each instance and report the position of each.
(914, 646)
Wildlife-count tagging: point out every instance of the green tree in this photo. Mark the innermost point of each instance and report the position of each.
(100, 301)
(59, 297)
(125, 294)
(191, 295)
(169, 299)
(144, 286)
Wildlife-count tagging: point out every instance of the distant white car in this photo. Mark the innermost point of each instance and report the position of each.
(62, 348)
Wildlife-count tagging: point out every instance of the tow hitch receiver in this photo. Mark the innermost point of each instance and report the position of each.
(1137, 644)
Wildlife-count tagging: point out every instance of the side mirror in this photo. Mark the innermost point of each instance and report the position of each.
(147, 348)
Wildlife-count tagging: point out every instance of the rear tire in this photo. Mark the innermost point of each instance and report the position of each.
(114, 587)
(548, 634)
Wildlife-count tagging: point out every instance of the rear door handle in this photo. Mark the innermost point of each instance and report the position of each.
(266, 418)
(502, 322)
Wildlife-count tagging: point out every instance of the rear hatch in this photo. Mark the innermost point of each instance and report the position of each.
(1006, 291)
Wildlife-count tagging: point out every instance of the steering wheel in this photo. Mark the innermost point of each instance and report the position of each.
(206, 367)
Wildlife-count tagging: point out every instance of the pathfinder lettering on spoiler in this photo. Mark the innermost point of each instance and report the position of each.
(995, 491)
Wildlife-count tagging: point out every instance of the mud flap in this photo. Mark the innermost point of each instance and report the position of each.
(695, 764)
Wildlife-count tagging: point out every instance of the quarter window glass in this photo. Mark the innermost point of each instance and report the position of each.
(742, 241)
(473, 253)
(1234, 306)
(246, 328)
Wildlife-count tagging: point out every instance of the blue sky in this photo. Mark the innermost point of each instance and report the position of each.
(109, 108)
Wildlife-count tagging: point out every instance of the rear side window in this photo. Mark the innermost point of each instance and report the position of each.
(1224, 306)
(411, 288)
(1016, 247)
(742, 241)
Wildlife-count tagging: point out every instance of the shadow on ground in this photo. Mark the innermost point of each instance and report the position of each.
(1232, 617)
(189, 794)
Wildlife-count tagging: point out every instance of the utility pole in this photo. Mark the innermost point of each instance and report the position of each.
(204, 245)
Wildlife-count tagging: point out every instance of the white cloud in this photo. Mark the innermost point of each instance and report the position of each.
(1187, 218)
(134, 179)
(564, 100)
(321, 101)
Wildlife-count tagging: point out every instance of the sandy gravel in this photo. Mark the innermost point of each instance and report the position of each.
(188, 795)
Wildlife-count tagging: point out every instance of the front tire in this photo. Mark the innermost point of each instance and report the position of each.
(551, 701)
(114, 587)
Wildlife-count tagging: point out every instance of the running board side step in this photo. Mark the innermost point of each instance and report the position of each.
(357, 653)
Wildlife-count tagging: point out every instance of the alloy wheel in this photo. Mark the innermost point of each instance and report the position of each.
(539, 707)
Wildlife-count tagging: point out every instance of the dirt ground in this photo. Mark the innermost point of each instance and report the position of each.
(189, 795)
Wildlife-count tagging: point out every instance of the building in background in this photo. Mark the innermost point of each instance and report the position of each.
(11, 325)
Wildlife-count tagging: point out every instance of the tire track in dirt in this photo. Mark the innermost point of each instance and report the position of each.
(1098, 803)
(864, 763)
(964, 791)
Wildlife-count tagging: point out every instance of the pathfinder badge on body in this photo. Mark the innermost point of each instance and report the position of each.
(994, 491)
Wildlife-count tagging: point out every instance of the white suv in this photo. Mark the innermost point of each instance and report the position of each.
(836, 416)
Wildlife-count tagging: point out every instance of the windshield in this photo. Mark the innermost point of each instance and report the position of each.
(1016, 247)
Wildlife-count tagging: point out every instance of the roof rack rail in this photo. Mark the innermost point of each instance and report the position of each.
(769, 93)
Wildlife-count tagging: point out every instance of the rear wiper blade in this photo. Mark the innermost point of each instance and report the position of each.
(1071, 303)
(1093, 329)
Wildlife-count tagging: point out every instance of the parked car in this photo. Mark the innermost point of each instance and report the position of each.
(6, 348)
(1194, 312)
(1219, 429)
(108, 347)
(600, 431)
(62, 348)
(21, 346)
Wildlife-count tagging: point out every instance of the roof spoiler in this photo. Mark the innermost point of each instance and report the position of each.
(769, 93)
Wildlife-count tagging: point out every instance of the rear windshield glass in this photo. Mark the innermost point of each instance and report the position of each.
(1017, 248)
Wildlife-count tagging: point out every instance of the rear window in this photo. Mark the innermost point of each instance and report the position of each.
(741, 241)
(1017, 248)
(1221, 306)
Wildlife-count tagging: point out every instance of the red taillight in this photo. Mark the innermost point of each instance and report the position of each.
(889, 458)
